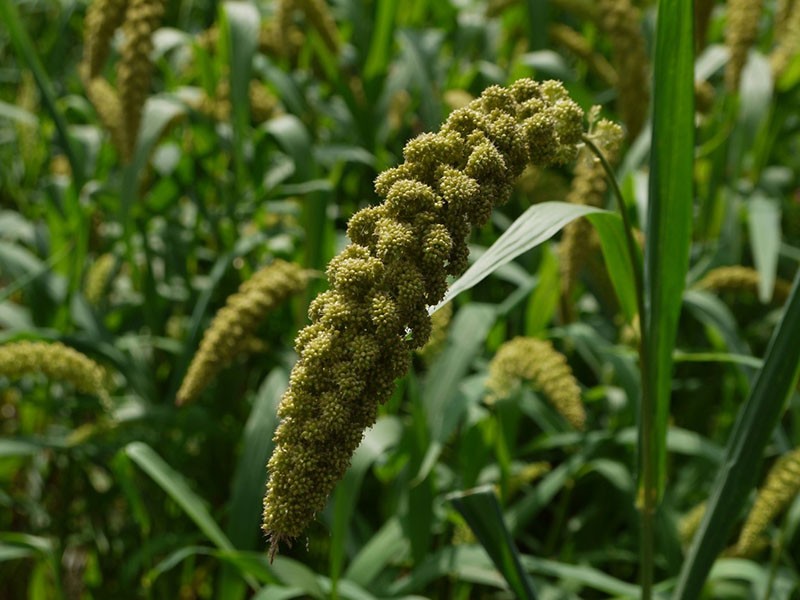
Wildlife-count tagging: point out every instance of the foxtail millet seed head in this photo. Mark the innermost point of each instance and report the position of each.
(134, 69)
(589, 188)
(780, 488)
(55, 361)
(98, 277)
(363, 328)
(787, 36)
(531, 360)
(621, 21)
(106, 103)
(236, 322)
(103, 17)
(741, 31)
(741, 280)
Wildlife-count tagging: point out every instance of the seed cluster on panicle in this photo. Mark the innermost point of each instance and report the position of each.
(232, 329)
(401, 252)
(621, 21)
(103, 17)
(741, 280)
(787, 36)
(588, 188)
(536, 361)
(98, 277)
(120, 107)
(690, 523)
(135, 67)
(741, 31)
(55, 361)
(780, 488)
(106, 102)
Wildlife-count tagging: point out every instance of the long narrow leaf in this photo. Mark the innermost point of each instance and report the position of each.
(382, 36)
(250, 476)
(669, 225)
(618, 264)
(764, 221)
(441, 386)
(751, 432)
(175, 486)
(377, 440)
(480, 509)
(536, 225)
(387, 543)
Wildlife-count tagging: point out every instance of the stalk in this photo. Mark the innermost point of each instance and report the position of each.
(647, 441)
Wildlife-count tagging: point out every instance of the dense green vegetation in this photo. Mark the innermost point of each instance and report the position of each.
(607, 406)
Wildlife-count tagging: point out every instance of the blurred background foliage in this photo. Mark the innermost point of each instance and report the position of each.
(264, 127)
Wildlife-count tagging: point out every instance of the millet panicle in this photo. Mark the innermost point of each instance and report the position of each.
(401, 252)
(134, 68)
(738, 279)
(56, 362)
(780, 488)
(741, 31)
(621, 21)
(588, 188)
(103, 17)
(237, 321)
(536, 361)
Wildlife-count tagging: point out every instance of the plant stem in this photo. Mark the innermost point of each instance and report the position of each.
(647, 501)
(633, 253)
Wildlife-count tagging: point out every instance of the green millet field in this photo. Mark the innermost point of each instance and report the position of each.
(383, 299)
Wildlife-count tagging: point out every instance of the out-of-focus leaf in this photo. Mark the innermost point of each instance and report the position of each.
(764, 221)
(743, 454)
(250, 477)
(17, 114)
(176, 487)
(441, 388)
(549, 63)
(12, 447)
(583, 574)
(480, 509)
(382, 37)
(618, 263)
(755, 95)
(538, 20)
(386, 545)
(242, 20)
(544, 300)
(377, 440)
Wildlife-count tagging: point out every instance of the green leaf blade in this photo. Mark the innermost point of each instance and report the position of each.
(480, 509)
(669, 224)
(175, 486)
(751, 432)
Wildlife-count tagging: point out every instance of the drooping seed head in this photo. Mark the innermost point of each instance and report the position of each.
(397, 263)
